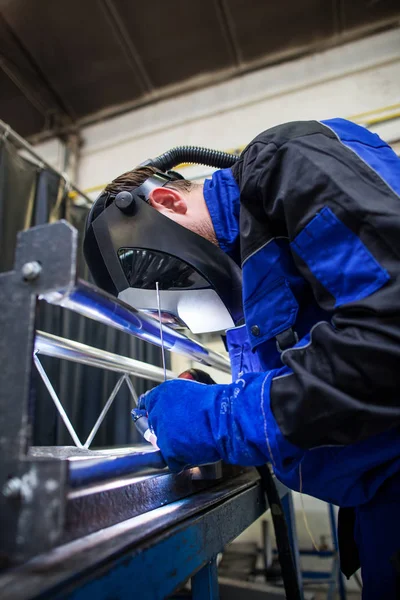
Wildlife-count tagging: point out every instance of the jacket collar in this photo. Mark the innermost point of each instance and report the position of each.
(221, 194)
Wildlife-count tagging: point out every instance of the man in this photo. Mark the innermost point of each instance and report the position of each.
(311, 212)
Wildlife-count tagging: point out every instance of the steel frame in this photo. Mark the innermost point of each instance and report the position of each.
(34, 488)
(52, 345)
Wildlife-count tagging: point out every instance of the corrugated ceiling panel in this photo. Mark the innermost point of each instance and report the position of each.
(363, 12)
(77, 50)
(263, 28)
(176, 39)
(17, 110)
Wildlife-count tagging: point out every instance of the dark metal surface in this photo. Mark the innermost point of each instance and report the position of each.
(148, 555)
(94, 507)
(73, 62)
(25, 518)
(92, 470)
(54, 247)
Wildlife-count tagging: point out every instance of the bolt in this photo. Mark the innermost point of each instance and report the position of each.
(12, 489)
(31, 270)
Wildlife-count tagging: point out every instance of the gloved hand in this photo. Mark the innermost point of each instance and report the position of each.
(197, 424)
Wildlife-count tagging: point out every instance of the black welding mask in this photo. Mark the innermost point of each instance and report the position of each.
(131, 249)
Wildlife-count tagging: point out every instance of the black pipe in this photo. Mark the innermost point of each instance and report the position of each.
(191, 154)
(285, 555)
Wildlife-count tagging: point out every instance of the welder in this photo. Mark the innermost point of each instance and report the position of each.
(310, 213)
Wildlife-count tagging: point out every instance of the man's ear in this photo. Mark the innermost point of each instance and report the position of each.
(166, 199)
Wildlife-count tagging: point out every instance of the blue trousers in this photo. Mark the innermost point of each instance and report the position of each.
(377, 535)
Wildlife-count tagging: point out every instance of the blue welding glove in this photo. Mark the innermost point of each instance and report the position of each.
(197, 424)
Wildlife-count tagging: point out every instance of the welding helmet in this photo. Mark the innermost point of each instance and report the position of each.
(129, 247)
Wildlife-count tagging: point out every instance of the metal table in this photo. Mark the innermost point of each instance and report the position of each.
(147, 556)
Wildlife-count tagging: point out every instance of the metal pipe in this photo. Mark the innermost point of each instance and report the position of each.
(86, 471)
(58, 347)
(96, 304)
(132, 390)
(105, 410)
(57, 402)
(10, 133)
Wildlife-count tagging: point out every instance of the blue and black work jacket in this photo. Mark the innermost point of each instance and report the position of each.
(311, 211)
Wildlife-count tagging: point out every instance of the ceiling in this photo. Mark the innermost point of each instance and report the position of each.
(65, 63)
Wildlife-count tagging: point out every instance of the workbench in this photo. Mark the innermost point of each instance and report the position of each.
(149, 555)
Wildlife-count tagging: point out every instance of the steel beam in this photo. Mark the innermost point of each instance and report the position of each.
(53, 345)
(91, 302)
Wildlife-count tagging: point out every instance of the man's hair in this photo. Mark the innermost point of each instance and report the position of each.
(136, 177)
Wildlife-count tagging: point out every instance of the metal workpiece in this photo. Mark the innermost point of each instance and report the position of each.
(101, 494)
(92, 470)
(93, 507)
(96, 304)
(58, 347)
(49, 497)
(57, 402)
(142, 461)
(150, 549)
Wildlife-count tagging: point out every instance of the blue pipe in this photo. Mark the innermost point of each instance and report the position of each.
(92, 302)
(93, 470)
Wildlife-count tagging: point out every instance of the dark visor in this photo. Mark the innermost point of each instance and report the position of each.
(143, 268)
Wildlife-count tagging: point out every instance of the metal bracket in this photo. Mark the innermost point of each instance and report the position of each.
(45, 260)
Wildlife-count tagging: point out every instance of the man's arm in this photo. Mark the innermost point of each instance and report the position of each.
(343, 224)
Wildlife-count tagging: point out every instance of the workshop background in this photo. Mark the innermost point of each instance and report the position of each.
(101, 85)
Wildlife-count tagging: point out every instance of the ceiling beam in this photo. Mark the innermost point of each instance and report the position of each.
(227, 24)
(125, 41)
(22, 69)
